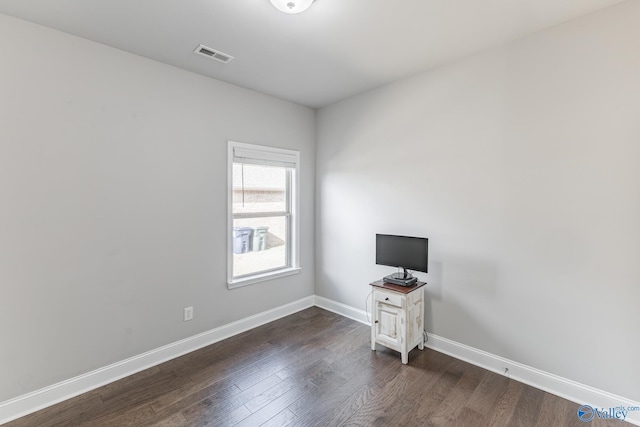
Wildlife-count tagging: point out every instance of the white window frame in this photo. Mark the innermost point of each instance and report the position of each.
(263, 155)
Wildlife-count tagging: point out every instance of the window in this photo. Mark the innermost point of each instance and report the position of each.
(263, 213)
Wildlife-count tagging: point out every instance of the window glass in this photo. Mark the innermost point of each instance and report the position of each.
(259, 188)
(262, 243)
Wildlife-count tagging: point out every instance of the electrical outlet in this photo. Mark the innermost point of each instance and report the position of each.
(188, 314)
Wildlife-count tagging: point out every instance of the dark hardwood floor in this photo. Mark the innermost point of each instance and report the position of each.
(313, 368)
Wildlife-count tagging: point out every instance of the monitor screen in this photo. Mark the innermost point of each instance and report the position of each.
(402, 251)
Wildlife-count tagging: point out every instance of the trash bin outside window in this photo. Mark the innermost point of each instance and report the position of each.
(260, 238)
(242, 239)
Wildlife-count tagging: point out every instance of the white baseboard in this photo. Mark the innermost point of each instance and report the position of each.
(343, 310)
(559, 386)
(554, 384)
(565, 388)
(39, 399)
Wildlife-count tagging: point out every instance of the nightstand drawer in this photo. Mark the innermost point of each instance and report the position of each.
(388, 298)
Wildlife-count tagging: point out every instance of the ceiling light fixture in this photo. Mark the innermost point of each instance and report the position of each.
(292, 6)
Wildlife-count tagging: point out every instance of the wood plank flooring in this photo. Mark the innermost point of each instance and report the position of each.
(313, 368)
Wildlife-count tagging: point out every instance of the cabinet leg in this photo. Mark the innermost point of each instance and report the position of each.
(405, 358)
(421, 346)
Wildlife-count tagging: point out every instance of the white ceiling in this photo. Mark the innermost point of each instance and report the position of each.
(334, 50)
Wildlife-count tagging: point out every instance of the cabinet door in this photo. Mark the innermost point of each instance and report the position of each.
(388, 329)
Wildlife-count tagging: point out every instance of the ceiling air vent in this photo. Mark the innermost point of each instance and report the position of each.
(213, 54)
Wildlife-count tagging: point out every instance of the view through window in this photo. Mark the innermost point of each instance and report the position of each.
(260, 218)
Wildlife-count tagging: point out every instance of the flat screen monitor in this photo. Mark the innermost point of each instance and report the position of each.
(408, 253)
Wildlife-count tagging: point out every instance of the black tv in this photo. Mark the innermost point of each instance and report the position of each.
(406, 252)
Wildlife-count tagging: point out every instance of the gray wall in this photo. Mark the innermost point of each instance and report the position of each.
(113, 184)
(522, 166)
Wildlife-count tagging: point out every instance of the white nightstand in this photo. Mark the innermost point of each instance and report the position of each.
(398, 317)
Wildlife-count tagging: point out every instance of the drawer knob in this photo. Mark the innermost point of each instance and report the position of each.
(386, 299)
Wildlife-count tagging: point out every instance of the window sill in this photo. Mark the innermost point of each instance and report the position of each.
(256, 278)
